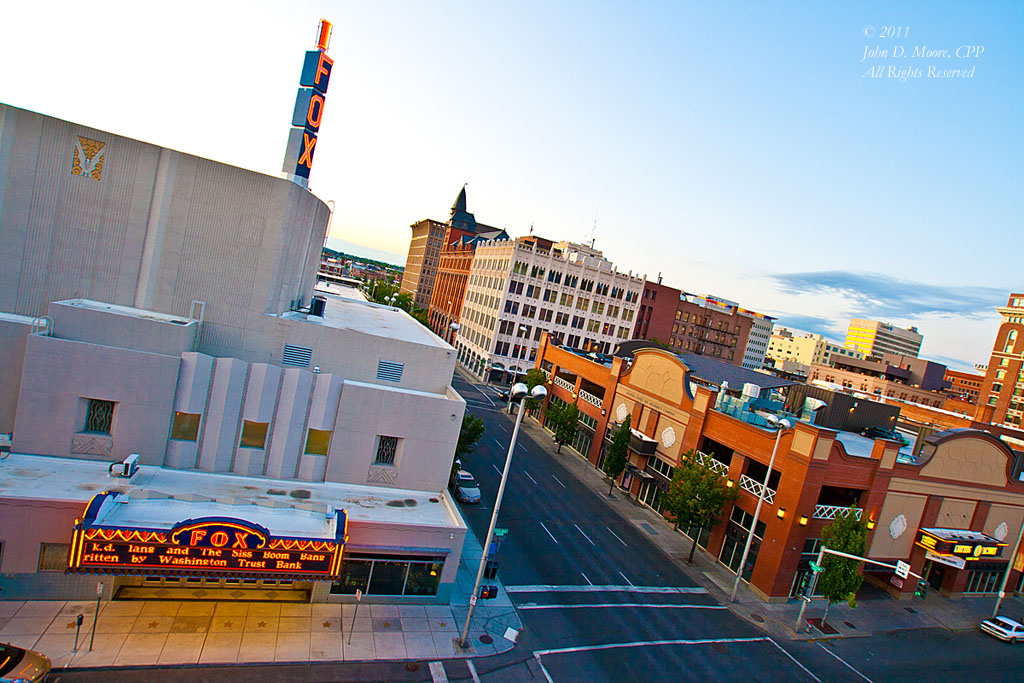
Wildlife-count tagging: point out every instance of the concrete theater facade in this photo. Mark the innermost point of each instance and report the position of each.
(159, 304)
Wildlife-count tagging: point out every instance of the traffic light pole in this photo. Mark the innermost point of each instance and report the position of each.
(814, 580)
(1006, 574)
(494, 518)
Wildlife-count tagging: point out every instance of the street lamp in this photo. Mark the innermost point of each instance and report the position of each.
(782, 426)
(522, 359)
(454, 327)
(519, 392)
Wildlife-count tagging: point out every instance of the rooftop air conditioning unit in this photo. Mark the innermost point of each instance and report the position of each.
(127, 468)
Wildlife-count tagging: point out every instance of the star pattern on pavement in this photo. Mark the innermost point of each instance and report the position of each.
(327, 624)
(71, 624)
(153, 624)
(261, 624)
(228, 624)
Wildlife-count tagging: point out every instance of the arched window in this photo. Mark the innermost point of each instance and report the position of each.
(1011, 339)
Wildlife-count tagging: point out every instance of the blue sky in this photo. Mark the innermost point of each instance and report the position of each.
(736, 148)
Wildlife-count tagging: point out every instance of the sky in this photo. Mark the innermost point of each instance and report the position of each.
(749, 150)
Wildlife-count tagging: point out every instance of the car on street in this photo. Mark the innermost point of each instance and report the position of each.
(885, 433)
(1004, 629)
(465, 487)
(19, 664)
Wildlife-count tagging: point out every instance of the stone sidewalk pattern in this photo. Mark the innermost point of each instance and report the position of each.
(141, 633)
(779, 620)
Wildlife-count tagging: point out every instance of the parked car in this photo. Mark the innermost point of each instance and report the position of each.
(885, 433)
(19, 664)
(1004, 629)
(465, 487)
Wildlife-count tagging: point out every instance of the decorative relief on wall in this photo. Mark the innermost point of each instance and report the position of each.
(382, 474)
(87, 158)
(668, 437)
(898, 526)
(92, 444)
(1001, 531)
(621, 412)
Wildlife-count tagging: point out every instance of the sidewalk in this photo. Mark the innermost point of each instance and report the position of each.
(141, 633)
(877, 614)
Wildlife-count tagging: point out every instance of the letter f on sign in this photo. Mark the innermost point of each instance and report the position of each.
(197, 536)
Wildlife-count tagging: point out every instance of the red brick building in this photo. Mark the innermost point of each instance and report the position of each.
(966, 481)
(1003, 388)
(964, 386)
(657, 312)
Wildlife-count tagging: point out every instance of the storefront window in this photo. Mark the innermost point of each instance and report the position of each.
(389, 575)
(388, 578)
(983, 581)
(423, 578)
(354, 574)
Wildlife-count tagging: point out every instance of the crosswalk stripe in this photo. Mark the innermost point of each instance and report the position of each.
(530, 605)
(543, 588)
(437, 672)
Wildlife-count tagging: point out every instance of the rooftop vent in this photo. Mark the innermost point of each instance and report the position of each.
(390, 371)
(296, 356)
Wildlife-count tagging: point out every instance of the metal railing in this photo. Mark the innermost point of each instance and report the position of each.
(831, 511)
(590, 398)
(756, 487)
(707, 461)
(565, 384)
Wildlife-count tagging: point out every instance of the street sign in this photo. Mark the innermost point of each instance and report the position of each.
(816, 568)
(359, 595)
(472, 600)
(500, 532)
(902, 569)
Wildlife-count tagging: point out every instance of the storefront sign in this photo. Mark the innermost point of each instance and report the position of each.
(207, 546)
(896, 581)
(975, 549)
(949, 560)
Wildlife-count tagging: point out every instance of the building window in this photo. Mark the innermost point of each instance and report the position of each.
(254, 434)
(53, 557)
(98, 416)
(387, 447)
(317, 441)
(185, 427)
(389, 575)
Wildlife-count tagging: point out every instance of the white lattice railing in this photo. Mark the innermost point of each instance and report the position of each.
(565, 384)
(719, 468)
(830, 511)
(590, 398)
(756, 487)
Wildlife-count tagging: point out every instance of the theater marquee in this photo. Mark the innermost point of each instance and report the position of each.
(211, 546)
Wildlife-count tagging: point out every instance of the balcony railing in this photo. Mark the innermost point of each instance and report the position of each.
(756, 487)
(590, 398)
(565, 384)
(719, 468)
(831, 511)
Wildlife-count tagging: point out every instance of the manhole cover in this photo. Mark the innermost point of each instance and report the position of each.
(758, 618)
(720, 648)
(412, 666)
(849, 624)
(486, 639)
(911, 610)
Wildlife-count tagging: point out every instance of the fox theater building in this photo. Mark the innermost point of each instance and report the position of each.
(182, 414)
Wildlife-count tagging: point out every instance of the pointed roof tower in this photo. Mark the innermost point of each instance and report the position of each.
(460, 201)
(461, 218)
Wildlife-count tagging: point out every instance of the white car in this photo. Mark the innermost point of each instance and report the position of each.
(466, 488)
(1004, 629)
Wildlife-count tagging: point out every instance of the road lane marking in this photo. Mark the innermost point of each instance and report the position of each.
(549, 533)
(496, 469)
(472, 671)
(544, 671)
(795, 660)
(627, 580)
(501, 427)
(847, 664)
(585, 535)
(437, 673)
(558, 480)
(644, 605)
(497, 443)
(549, 588)
(616, 536)
(650, 643)
(529, 477)
(585, 577)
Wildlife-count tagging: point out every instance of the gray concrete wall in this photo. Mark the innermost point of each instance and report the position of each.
(13, 333)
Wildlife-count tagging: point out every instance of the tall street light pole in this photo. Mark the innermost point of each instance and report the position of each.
(519, 391)
(1006, 574)
(782, 425)
(522, 360)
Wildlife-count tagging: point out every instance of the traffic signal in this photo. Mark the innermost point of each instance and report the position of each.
(922, 589)
(488, 592)
(491, 569)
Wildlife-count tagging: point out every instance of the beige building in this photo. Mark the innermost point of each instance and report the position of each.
(157, 304)
(806, 349)
(421, 263)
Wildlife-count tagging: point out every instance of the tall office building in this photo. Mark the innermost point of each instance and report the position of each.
(757, 342)
(874, 338)
(1003, 388)
(421, 262)
(518, 289)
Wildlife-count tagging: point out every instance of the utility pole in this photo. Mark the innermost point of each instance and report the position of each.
(1006, 574)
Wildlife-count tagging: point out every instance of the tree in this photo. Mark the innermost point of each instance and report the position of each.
(615, 461)
(534, 377)
(840, 579)
(567, 417)
(696, 496)
(469, 435)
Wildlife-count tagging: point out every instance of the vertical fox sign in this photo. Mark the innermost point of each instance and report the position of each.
(309, 108)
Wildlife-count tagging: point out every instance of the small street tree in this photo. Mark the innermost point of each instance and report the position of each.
(840, 579)
(618, 453)
(696, 496)
(566, 418)
(534, 377)
(469, 435)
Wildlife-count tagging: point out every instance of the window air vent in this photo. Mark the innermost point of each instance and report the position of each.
(297, 356)
(390, 370)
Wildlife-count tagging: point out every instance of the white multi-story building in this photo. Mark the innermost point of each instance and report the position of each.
(520, 288)
(757, 341)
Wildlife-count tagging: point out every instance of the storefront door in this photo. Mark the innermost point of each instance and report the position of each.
(936, 572)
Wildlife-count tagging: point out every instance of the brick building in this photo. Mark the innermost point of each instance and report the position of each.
(965, 386)
(1003, 387)
(963, 481)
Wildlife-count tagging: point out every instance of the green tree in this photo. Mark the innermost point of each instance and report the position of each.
(840, 578)
(618, 453)
(469, 436)
(534, 377)
(696, 496)
(565, 426)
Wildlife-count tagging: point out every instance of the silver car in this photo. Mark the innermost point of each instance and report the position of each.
(466, 488)
(1004, 629)
(19, 665)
